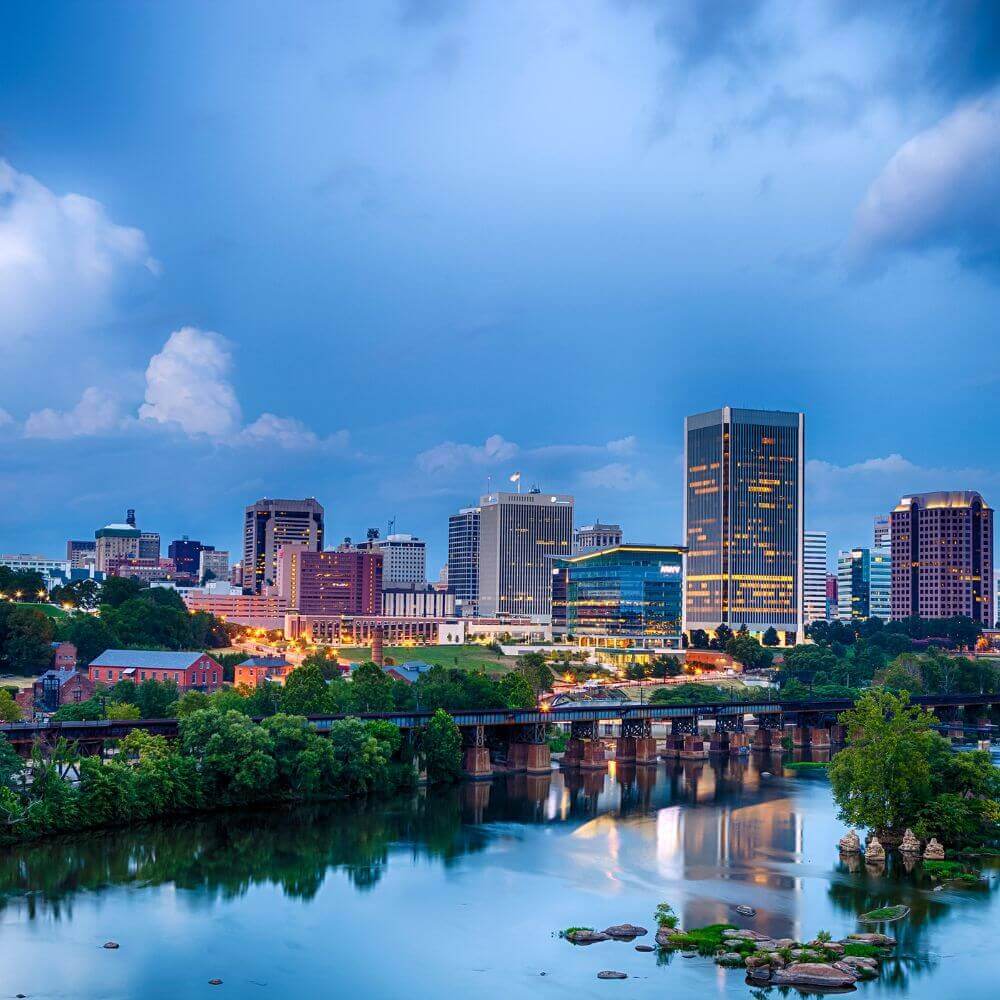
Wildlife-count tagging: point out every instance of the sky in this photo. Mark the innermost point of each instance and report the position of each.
(379, 252)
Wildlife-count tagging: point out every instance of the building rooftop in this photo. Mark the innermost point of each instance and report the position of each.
(157, 659)
(942, 498)
(265, 661)
(625, 547)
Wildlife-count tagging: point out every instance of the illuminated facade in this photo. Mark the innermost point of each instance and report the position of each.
(743, 520)
(814, 576)
(339, 582)
(269, 524)
(463, 558)
(863, 583)
(942, 556)
(626, 592)
(518, 532)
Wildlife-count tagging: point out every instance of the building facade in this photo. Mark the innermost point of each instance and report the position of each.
(832, 600)
(743, 518)
(814, 559)
(54, 570)
(114, 542)
(518, 535)
(338, 582)
(596, 536)
(942, 556)
(81, 554)
(463, 559)
(251, 610)
(882, 533)
(404, 558)
(186, 554)
(418, 602)
(623, 597)
(149, 545)
(269, 524)
(188, 670)
(361, 630)
(863, 584)
(213, 561)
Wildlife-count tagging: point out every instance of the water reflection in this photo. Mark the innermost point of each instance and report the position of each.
(706, 835)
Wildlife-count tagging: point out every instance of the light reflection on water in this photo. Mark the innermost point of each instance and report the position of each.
(463, 889)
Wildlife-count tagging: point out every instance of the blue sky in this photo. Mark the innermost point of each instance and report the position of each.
(377, 252)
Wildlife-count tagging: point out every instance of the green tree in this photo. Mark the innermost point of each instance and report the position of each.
(91, 635)
(441, 743)
(516, 691)
(699, 639)
(536, 671)
(191, 702)
(371, 688)
(748, 651)
(666, 666)
(882, 778)
(116, 590)
(25, 639)
(121, 710)
(770, 637)
(305, 691)
(10, 711)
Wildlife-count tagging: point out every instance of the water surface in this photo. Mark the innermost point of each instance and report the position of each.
(460, 893)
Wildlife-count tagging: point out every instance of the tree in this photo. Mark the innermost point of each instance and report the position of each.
(441, 743)
(516, 691)
(536, 671)
(371, 688)
(10, 711)
(699, 639)
(116, 590)
(771, 636)
(25, 639)
(120, 710)
(91, 635)
(882, 779)
(722, 636)
(748, 651)
(305, 691)
(666, 666)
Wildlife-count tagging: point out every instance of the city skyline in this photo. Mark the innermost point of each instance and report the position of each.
(195, 290)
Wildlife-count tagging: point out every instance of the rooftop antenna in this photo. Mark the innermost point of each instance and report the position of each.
(392, 526)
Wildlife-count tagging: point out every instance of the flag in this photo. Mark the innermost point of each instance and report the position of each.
(516, 477)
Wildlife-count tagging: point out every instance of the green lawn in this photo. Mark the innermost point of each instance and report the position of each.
(471, 657)
(52, 610)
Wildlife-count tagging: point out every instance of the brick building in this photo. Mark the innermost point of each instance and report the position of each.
(189, 670)
(260, 669)
(55, 688)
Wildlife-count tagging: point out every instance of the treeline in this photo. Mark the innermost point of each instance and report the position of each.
(221, 759)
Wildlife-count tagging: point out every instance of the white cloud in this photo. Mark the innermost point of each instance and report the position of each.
(449, 456)
(614, 476)
(6, 420)
(289, 433)
(187, 384)
(97, 412)
(941, 189)
(60, 258)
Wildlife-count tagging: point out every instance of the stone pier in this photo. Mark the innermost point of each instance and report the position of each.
(625, 749)
(738, 742)
(719, 743)
(819, 737)
(645, 750)
(585, 753)
(477, 763)
(694, 749)
(672, 747)
(538, 758)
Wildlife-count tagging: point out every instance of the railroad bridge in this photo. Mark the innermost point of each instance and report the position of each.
(515, 739)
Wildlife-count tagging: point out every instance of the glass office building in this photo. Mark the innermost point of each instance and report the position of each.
(623, 597)
(743, 520)
(864, 577)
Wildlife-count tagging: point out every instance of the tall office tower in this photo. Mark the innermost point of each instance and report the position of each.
(269, 524)
(863, 584)
(339, 582)
(942, 556)
(517, 534)
(814, 576)
(596, 536)
(186, 554)
(115, 542)
(81, 554)
(404, 557)
(743, 520)
(213, 561)
(463, 559)
(149, 545)
(882, 535)
(831, 597)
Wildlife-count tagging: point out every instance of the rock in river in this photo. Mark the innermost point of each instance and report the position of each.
(879, 940)
(110, 945)
(625, 932)
(585, 935)
(644, 947)
(746, 911)
(611, 974)
(813, 974)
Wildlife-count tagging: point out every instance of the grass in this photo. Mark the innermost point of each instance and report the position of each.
(708, 940)
(885, 913)
(469, 657)
(859, 949)
(953, 871)
(49, 610)
(807, 765)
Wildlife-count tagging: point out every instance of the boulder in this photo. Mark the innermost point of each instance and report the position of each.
(611, 974)
(756, 961)
(909, 844)
(744, 935)
(874, 851)
(625, 932)
(110, 945)
(785, 943)
(664, 935)
(879, 940)
(730, 959)
(850, 843)
(215, 982)
(813, 974)
(746, 911)
(833, 947)
(933, 851)
(644, 947)
(584, 935)
(777, 961)
(856, 962)
(860, 971)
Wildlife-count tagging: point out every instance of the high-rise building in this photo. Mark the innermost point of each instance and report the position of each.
(81, 554)
(832, 611)
(942, 556)
(114, 542)
(463, 559)
(416, 600)
(269, 524)
(338, 582)
(882, 533)
(814, 576)
(404, 557)
(213, 561)
(596, 536)
(149, 545)
(863, 584)
(186, 554)
(517, 534)
(743, 519)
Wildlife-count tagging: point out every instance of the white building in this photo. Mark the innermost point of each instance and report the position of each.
(882, 534)
(417, 602)
(596, 536)
(214, 561)
(54, 570)
(404, 559)
(814, 576)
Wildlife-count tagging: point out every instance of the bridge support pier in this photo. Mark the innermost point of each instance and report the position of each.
(767, 739)
(694, 749)
(672, 747)
(838, 735)
(476, 763)
(738, 742)
(719, 742)
(587, 754)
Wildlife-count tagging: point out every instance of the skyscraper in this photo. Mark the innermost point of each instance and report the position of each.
(269, 524)
(186, 554)
(114, 542)
(882, 534)
(814, 576)
(942, 556)
(743, 520)
(338, 582)
(404, 558)
(517, 532)
(463, 558)
(863, 584)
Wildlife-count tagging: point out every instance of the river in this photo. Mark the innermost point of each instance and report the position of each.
(461, 894)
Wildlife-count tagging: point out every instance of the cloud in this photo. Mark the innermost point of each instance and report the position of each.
(449, 455)
(940, 190)
(187, 384)
(97, 412)
(614, 476)
(61, 258)
(289, 433)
